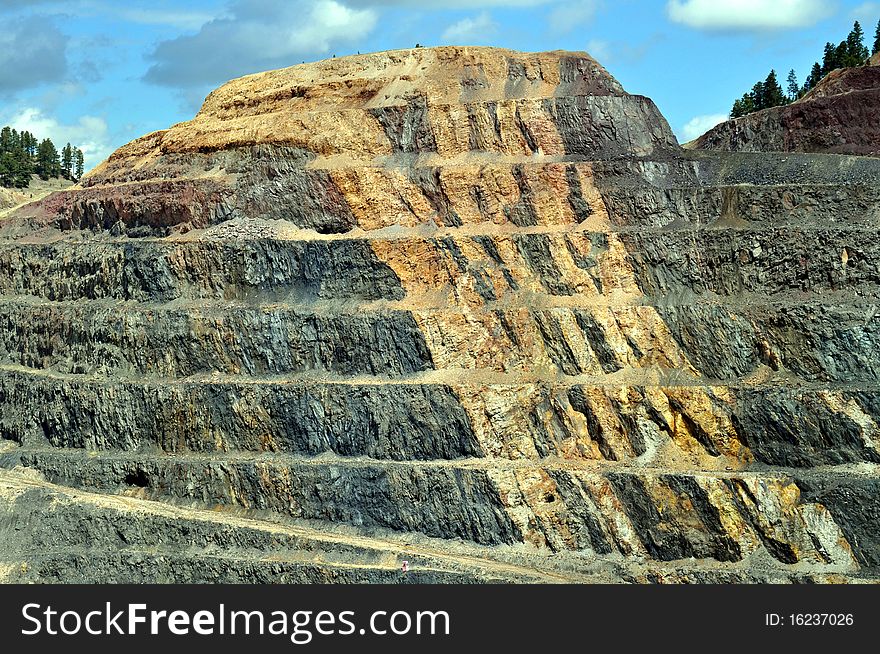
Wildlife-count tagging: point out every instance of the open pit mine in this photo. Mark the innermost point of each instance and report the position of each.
(468, 308)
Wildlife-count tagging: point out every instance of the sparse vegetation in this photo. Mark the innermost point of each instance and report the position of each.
(848, 53)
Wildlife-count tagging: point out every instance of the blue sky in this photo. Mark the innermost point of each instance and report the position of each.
(99, 73)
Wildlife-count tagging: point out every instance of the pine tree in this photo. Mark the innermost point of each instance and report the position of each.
(773, 93)
(30, 142)
(876, 47)
(23, 170)
(7, 169)
(67, 160)
(737, 110)
(48, 162)
(15, 170)
(841, 55)
(794, 89)
(856, 52)
(6, 139)
(79, 163)
(829, 59)
(814, 78)
(745, 105)
(757, 95)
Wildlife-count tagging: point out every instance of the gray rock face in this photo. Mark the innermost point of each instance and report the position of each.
(477, 311)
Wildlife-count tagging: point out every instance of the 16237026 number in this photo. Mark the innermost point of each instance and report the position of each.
(821, 619)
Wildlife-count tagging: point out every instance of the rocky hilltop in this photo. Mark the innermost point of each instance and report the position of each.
(466, 307)
(840, 115)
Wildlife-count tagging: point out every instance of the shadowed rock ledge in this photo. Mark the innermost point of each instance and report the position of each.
(467, 307)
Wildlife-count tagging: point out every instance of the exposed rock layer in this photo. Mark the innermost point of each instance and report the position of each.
(465, 306)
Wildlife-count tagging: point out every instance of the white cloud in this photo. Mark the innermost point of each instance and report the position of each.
(258, 35)
(599, 50)
(469, 31)
(88, 133)
(328, 21)
(150, 13)
(748, 14)
(569, 15)
(867, 11)
(185, 20)
(699, 125)
(451, 4)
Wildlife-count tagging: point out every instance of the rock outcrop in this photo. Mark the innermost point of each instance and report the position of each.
(468, 307)
(840, 115)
